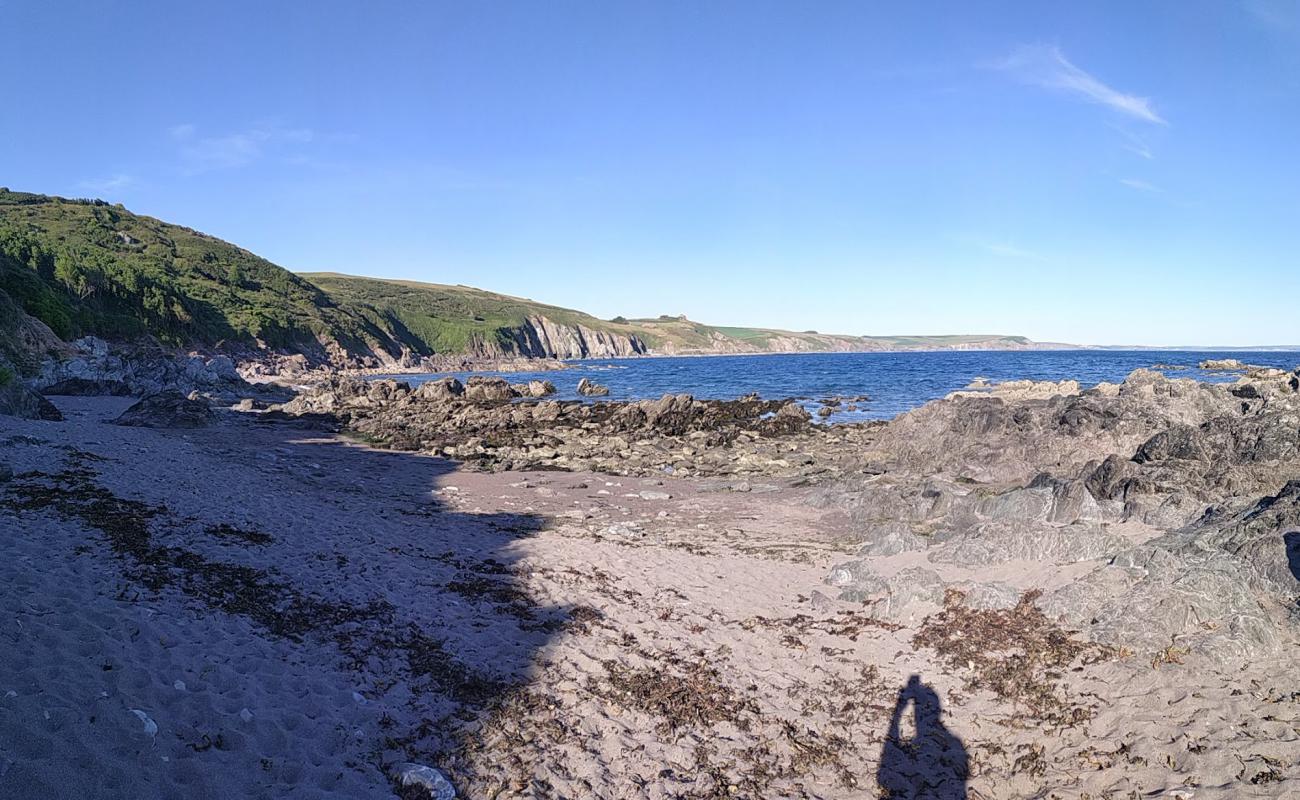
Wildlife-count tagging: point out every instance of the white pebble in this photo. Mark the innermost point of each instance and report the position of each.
(431, 779)
(179, 686)
(245, 715)
(150, 727)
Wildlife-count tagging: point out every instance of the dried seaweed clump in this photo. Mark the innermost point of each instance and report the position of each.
(1017, 654)
(683, 693)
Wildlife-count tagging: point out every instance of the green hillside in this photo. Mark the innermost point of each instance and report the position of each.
(432, 317)
(86, 267)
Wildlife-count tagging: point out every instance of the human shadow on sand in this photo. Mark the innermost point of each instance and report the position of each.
(931, 763)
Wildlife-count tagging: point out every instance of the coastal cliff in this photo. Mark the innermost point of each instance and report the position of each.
(540, 337)
(79, 268)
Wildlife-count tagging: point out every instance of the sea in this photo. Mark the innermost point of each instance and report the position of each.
(893, 382)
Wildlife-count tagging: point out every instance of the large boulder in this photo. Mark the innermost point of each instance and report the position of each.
(589, 388)
(169, 409)
(441, 389)
(16, 400)
(483, 388)
(534, 389)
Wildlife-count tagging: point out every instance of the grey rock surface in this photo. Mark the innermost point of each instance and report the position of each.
(168, 409)
(589, 388)
(1209, 471)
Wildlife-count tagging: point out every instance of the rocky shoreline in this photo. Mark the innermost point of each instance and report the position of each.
(486, 587)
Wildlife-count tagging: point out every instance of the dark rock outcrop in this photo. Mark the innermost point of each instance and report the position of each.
(487, 425)
(88, 387)
(169, 409)
(16, 400)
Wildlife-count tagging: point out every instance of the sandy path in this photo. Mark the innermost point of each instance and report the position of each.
(295, 613)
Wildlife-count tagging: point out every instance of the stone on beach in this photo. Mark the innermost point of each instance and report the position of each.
(16, 400)
(425, 777)
(168, 409)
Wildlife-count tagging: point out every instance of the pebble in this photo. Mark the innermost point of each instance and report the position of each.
(432, 780)
(150, 727)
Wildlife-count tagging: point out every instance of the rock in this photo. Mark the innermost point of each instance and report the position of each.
(991, 543)
(888, 539)
(86, 387)
(6, 472)
(150, 727)
(653, 495)
(93, 367)
(991, 595)
(588, 388)
(533, 389)
(1212, 562)
(17, 400)
(442, 389)
(481, 388)
(792, 411)
(910, 593)
(427, 778)
(1223, 365)
(169, 409)
(1019, 390)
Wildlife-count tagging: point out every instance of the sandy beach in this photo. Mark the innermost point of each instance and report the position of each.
(259, 609)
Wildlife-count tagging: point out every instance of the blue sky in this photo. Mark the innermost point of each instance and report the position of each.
(1087, 172)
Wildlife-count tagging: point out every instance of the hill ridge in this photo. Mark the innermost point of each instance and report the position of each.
(85, 267)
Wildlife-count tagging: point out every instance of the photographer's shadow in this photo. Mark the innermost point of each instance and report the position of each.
(931, 763)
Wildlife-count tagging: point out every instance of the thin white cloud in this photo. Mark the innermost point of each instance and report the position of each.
(1009, 250)
(113, 183)
(203, 153)
(1135, 144)
(1140, 185)
(1046, 66)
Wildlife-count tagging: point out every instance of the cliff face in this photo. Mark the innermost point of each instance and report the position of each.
(540, 337)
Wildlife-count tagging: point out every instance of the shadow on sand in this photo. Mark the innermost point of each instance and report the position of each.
(344, 557)
(461, 630)
(931, 763)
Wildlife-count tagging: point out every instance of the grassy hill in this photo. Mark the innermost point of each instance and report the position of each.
(459, 318)
(442, 318)
(86, 267)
